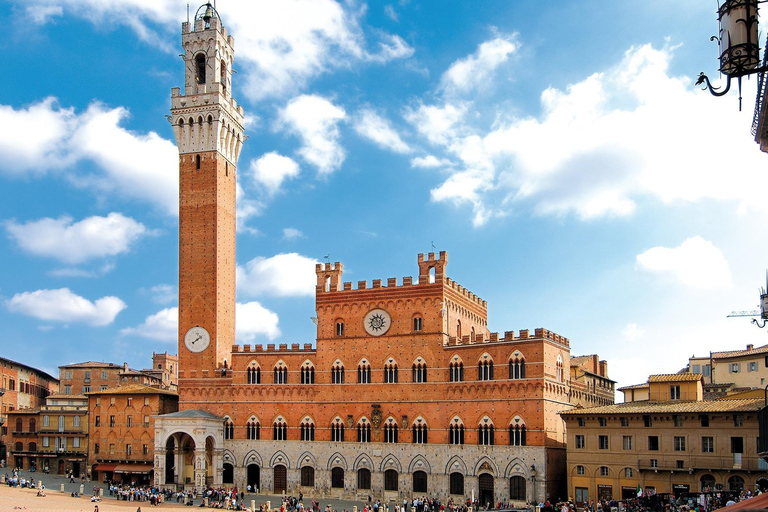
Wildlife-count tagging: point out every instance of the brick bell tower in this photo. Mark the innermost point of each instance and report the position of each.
(208, 125)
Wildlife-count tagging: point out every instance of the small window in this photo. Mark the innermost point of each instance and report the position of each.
(624, 421)
(738, 420)
(752, 367)
(677, 420)
(679, 443)
(653, 443)
(627, 442)
(580, 443)
(735, 367)
(708, 444)
(339, 328)
(581, 421)
(417, 323)
(696, 368)
(674, 392)
(603, 470)
(580, 470)
(628, 472)
(603, 442)
(654, 463)
(602, 421)
(197, 161)
(647, 421)
(704, 420)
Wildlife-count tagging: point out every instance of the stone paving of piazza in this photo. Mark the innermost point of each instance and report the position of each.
(14, 498)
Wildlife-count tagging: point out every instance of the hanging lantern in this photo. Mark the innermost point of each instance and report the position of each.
(740, 52)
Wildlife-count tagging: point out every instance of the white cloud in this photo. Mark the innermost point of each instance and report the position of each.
(696, 263)
(372, 126)
(255, 320)
(82, 272)
(429, 162)
(632, 332)
(272, 169)
(161, 326)
(164, 293)
(76, 242)
(246, 208)
(283, 275)
(281, 46)
(64, 306)
(292, 234)
(390, 12)
(45, 137)
(315, 120)
(42, 14)
(439, 124)
(473, 71)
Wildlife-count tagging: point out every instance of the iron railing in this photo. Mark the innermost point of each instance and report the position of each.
(761, 89)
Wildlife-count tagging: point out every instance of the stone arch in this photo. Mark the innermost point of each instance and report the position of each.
(456, 358)
(419, 463)
(391, 462)
(252, 457)
(362, 461)
(485, 465)
(228, 456)
(485, 357)
(306, 458)
(516, 466)
(337, 460)
(280, 458)
(456, 465)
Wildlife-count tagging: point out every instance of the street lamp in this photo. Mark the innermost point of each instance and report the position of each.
(738, 43)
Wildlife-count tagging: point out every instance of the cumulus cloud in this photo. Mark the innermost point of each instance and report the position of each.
(83, 272)
(292, 234)
(632, 332)
(372, 126)
(315, 120)
(76, 242)
(283, 275)
(161, 326)
(475, 70)
(281, 46)
(696, 263)
(429, 162)
(254, 320)
(587, 152)
(42, 14)
(45, 137)
(246, 208)
(62, 305)
(271, 170)
(163, 293)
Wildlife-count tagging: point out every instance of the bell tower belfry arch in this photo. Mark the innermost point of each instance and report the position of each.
(208, 126)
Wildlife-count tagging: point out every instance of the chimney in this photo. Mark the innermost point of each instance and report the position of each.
(750, 346)
(125, 367)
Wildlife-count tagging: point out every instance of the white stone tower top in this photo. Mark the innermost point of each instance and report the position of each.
(206, 117)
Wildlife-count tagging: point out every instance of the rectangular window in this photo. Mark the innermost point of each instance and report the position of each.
(603, 442)
(624, 421)
(696, 368)
(627, 442)
(145, 449)
(86, 389)
(678, 420)
(417, 324)
(146, 421)
(67, 389)
(102, 388)
(146, 400)
(653, 443)
(87, 375)
(737, 445)
(738, 420)
(580, 444)
(734, 367)
(707, 370)
(680, 464)
(602, 421)
(128, 450)
(704, 420)
(46, 442)
(104, 375)
(581, 421)
(75, 442)
(95, 447)
(582, 495)
(654, 463)
(674, 392)
(603, 470)
(708, 444)
(97, 421)
(111, 421)
(129, 420)
(68, 374)
(647, 421)
(46, 421)
(76, 421)
(752, 367)
(130, 401)
(679, 443)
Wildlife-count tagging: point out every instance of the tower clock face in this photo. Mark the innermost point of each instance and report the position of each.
(197, 339)
(377, 322)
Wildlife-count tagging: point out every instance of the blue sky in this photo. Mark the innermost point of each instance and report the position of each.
(559, 151)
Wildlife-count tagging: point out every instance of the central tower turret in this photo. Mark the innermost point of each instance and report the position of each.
(208, 126)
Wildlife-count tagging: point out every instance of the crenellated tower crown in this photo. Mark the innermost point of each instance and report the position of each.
(206, 117)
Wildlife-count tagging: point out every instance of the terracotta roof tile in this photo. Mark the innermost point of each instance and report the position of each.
(133, 389)
(739, 353)
(646, 407)
(675, 377)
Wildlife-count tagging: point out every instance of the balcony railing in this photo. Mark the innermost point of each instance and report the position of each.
(715, 462)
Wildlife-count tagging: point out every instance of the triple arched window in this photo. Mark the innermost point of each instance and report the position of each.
(281, 373)
(307, 373)
(307, 430)
(229, 429)
(337, 373)
(364, 372)
(253, 429)
(337, 430)
(485, 369)
(390, 431)
(419, 371)
(456, 369)
(456, 432)
(517, 435)
(517, 368)
(254, 375)
(390, 372)
(364, 431)
(485, 434)
(279, 430)
(419, 431)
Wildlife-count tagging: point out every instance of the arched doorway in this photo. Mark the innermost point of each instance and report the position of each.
(419, 481)
(61, 467)
(363, 479)
(517, 488)
(180, 459)
(280, 478)
(706, 483)
(736, 483)
(254, 477)
(228, 476)
(762, 483)
(485, 489)
(457, 484)
(390, 480)
(337, 478)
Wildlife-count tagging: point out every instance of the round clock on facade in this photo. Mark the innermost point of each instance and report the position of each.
(197, 339)
(377, 322)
